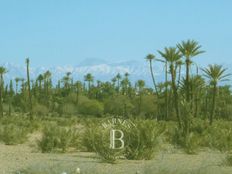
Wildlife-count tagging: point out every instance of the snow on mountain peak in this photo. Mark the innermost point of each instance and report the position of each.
(101, 70)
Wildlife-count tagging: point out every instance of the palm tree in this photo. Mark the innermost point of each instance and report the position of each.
(17, 84)
(179, 64)
(40, 79)
(22, 85)
(166, 86)
(67, 80)
(215, 73)
(89, 78)
(189, 49)
(47, 78)
(197, 85)
(172, 56)
(125, 83)
(2, 72)
(140, 84)
(126, 75)
(150, 58)
(118, 77)
(78, 87)
(114, 80)
(10, 97)
(29, 86)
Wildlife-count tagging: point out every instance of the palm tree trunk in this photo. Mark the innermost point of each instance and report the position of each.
(140, 101)
(166, 89)
(89, 85)
(187, 79)
(118, 85)
(1, 88)
(196, 104)
(16, 88)
(77, 96)
(29, 89)
(175, 95)
(153, 78)
(179, 76)
(213, 104)
(9, 109)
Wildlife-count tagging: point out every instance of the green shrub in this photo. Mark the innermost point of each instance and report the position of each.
(142, 139)
(91, 107)
(118, 105)
(11, 134)
(68, 109)
(40, 110)
(148, 106)
(22, 121)
(67, 121)
(102, 146)
(199, 126)
(88, 138)
(57, 138)
(218, 136)
(97, 139)
(190, 143)
(228, 159)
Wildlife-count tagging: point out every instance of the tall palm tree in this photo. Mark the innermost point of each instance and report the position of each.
(215, 73)
(47, 79)
(189, 49)
(126, 75)
(2, 72)
(29, 85)
(40, 79)
(166, 86)
(140, 84)
(125, 83)
(17, 84)
(197, 85)
(89, 78)
(150, 58)
(67, 80)
(114, 80)
(118, 77)
(78, 86)
(179, 64)
(10, 97)
(172, 56)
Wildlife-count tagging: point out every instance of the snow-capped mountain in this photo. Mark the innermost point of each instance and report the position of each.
(100, 69)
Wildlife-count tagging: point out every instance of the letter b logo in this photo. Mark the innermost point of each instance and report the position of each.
(113, 139)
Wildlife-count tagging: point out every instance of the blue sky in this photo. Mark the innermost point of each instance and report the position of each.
(59, 32)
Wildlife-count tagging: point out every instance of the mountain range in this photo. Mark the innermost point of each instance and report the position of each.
(100, 69)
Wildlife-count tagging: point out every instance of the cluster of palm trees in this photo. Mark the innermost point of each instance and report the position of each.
(166, 101)
(176, 57)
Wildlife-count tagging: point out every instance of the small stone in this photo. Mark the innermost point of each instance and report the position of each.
(78, 171)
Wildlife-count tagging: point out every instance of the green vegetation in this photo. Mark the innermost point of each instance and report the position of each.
(228, 160)
(190, 111)
(57, 138)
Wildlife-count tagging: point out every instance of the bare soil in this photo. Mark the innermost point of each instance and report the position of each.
(15, 158)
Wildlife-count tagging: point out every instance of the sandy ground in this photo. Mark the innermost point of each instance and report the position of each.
(14, 158)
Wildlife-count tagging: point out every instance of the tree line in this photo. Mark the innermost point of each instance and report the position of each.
(181, 97)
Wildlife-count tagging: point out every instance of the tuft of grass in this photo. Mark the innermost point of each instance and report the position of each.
(56, 138)
(142, 140)
(12, 134)
(228, 160)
